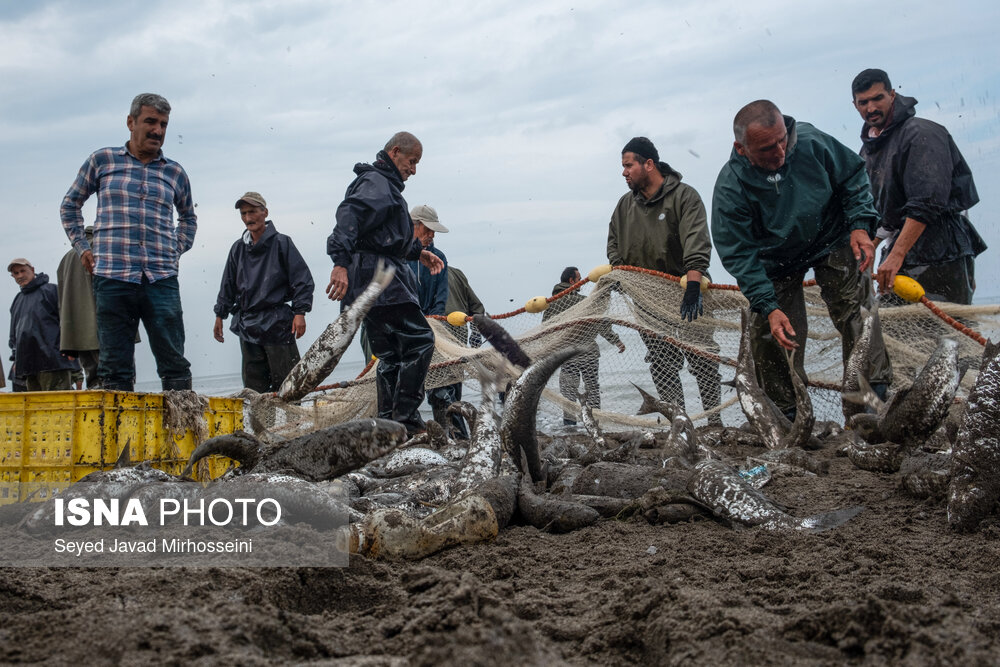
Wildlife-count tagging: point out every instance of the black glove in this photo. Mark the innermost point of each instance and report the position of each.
(691, 306)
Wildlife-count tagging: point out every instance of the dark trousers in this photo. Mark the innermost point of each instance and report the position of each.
(265, 367)
(120, 307)
(844, 290)
(50, 381)
(403, 342)
(584, 366)
(953, 281)
(89, 360)
(665, 362)
(439, 399)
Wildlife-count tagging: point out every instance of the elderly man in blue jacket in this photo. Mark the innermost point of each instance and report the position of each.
(373, 226)
(268, 289)
(432, 290)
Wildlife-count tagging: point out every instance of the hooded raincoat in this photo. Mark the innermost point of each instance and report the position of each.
(667, 233)
(264, 286)
(373, 224)
(917, 171)
(34, 329)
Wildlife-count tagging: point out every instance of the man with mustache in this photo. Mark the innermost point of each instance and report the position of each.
(922, 188)
(136, 246)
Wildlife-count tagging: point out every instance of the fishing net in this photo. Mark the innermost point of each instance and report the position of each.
(679, 360)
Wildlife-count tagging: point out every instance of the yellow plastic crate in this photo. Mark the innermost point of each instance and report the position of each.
(48, 440)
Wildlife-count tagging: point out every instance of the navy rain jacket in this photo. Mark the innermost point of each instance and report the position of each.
(258, 284)
(34, 329)
(431, 290)
(373, 224)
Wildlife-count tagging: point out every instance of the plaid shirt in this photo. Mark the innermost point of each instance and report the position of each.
(134, 234)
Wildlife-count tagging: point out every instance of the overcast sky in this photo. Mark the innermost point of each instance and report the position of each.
(522, 108)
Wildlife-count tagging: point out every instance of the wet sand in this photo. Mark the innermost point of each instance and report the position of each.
(892, 586)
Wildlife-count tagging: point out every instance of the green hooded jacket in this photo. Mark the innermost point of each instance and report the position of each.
(769, 225)
(668, 233)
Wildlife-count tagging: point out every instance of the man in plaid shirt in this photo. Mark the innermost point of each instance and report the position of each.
(136, 246)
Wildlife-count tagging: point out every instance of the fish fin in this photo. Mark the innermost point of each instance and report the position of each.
(125, 459)
(865, 395)
(648, 402)
(827, 520)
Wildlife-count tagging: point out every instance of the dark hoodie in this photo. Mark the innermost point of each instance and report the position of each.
(917, 171)
(258, 284)
(34, 329)
(373, 224)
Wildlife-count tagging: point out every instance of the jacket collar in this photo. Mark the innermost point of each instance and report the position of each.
(385, 166)
(269, 233)
(903, 109)
(36, 282)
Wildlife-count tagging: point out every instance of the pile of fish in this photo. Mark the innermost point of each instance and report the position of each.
(408, 498)
(940, 449)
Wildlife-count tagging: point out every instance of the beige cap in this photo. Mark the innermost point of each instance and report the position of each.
(429, 217)
(252, 198)
(19, 261)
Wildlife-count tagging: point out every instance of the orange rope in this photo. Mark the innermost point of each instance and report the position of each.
(676, 279)
(955, 324)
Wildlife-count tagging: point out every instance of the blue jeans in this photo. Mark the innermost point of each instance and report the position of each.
(120, 306)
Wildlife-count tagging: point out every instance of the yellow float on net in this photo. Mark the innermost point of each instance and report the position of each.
(598, 271)
(457, 318)
(907, 288)
(705, 282)
(536, 304)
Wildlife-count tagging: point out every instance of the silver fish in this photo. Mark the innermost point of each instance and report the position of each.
(800, 431)
(517, 427)
(913, 415)
(761, 412)
(117, 483)
(301, 501)
(320, 455)
(482, 460)
(721, 488)
(683, 441)
(877, 457)
(590, 423)
(404, 462)
(322, 356)
(975, 460)
(857, 366)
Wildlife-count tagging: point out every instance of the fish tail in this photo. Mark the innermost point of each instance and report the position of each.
(384, 274)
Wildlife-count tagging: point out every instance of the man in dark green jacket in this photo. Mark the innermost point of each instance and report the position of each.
(660, 224)
(793, 198)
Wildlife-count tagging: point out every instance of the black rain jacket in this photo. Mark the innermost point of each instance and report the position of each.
(917, 171)
(373, 224)
(34, 329)
(258, 284)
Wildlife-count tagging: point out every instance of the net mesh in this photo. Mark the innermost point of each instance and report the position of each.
(639, 310)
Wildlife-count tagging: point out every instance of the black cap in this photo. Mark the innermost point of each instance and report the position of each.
(642, 147)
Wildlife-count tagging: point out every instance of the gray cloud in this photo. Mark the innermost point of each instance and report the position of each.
(523, 110)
